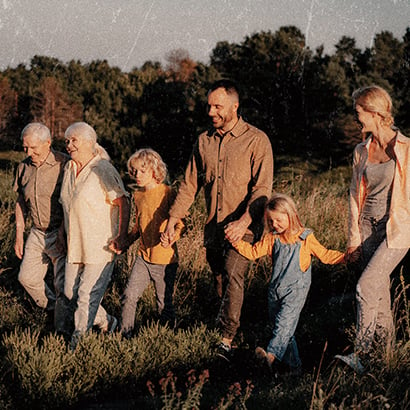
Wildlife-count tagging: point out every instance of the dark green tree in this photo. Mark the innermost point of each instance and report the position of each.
(8, 113)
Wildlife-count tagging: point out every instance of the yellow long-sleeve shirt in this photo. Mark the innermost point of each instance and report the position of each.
(152, 207)
(309, 247)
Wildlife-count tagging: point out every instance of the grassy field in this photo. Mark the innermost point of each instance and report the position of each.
(160, 368)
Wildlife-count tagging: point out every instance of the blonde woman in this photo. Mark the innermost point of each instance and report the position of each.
(379, 216)
(96, 215)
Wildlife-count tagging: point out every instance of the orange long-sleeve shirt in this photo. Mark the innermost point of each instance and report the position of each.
(152, 208)
(309, 247)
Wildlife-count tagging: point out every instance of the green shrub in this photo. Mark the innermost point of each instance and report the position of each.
(50, 373)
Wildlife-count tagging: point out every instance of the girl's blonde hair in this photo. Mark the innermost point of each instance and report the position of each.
(375, 99)
(149, 159)
(284, 204)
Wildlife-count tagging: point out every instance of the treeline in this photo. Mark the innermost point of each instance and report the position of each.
(299, 97)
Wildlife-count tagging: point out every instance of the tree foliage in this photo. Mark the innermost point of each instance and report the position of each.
(51, 106)
(300, 97)
(8, 109)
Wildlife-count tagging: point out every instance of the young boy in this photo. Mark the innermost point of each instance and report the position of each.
(155, 261)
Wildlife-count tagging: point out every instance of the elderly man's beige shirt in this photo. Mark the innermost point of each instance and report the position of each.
(91, 220)
(235, 170)
(40, 187)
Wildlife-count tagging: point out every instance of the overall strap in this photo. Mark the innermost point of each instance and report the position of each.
(305, 234)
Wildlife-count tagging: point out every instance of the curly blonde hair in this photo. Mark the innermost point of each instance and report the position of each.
(149, 159)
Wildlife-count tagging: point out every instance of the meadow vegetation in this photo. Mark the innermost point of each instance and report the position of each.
(160, 368)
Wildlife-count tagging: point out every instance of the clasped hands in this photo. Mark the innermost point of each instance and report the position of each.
(235, 230)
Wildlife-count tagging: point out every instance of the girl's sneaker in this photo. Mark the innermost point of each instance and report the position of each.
(111, 325)
(353, 361)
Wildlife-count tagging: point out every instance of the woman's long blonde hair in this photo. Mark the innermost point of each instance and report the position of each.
(375, 99)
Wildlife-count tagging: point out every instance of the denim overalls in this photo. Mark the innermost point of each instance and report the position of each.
(287, 294)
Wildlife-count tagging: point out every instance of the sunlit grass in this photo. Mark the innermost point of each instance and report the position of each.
(171, 369)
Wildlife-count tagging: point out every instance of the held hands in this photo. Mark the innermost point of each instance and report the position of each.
(165, 240)
(235, 230)
(168, 237)
(353, 254)
(119, 244)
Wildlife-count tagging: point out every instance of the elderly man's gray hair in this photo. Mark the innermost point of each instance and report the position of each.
(39, 130)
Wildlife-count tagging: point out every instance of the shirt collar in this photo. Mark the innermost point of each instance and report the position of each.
(51, 158)
(239, 128)
(92, 163)
(399, 138)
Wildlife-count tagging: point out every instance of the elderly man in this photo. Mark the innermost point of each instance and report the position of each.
(38, 182)
(233, 162)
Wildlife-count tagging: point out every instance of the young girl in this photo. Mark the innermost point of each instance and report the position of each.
(291, 247)
(154, 261)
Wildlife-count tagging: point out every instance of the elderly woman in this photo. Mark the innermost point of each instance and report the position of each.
(379, 219)
(96, 214)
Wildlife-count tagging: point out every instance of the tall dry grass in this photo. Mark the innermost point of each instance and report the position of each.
(162, 368)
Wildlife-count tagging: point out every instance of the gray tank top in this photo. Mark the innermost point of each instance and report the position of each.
(379, 179)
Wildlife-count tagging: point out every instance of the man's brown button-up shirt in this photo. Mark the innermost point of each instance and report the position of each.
(234, 169)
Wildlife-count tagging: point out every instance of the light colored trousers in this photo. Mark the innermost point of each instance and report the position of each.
(141, 275)
(373, 288)
(39, 251)
(85, 285)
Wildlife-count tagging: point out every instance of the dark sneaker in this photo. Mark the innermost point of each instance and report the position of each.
(51, 305)
(127, 335)
(112, 325)
(224, 351)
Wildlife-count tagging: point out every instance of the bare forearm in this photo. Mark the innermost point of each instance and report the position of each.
(20, 214)
(20, 225)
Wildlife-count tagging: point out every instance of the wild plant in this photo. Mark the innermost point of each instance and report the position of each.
(387, 379)
(236, 397)
(49, 372)
(7, 201)
(172, 398)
